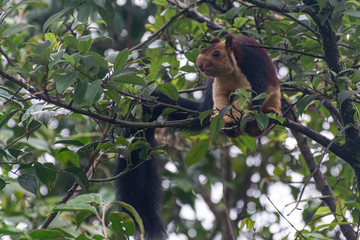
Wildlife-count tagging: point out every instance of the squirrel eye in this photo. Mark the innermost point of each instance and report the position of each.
(216, 54)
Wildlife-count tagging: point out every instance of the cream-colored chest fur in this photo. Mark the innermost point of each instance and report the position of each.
(227, 84)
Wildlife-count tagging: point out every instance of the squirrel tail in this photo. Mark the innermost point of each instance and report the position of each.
(141, 188)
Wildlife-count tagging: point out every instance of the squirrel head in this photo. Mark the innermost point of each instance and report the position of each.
(216, 59)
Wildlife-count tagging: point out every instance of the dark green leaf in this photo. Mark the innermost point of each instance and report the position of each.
(125, 71)
(121, 59)
(71, 41)
(107, 12)
(54, 17)
(346, 94)
(2, 183)
(46, 234)
(81, 216)
(169, 90)
(75, 208)
(203, 115)
(7, 117)
(46, 173)
(192, 56)
(93, 92)
(84, 12)
(29, 182)
(86, 198)
(66, 81)
(262, 120)
(197, 152)
(80, 91)
(302, 104)
(134, 214)
(80, 177)
(122, 223)
(85, 43)
(130, 79)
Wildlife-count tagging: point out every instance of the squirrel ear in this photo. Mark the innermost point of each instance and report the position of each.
(215, 40)
(229, 41)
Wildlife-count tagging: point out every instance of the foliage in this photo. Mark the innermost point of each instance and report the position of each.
(73, 78)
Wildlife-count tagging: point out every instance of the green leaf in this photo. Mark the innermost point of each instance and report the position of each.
(107, 12)
(121, 59)
(70, 59)
(80, 176)
(80, 91)
(122, 223)
(43, 116)
(192, 55)
(87, 198)
(169, 90)
(203, 115)
(302, 104)
(93, 92)
(125, 71)
(331, 224)
(46, 234)
(12, 30)
(262, 120)
(134, 214)
(54, 17)
(85, 43)
(72, 42)
(29, 182)
(131, 79)
(75, 208)
(51, 38)
(240, 21)
(66, 81)
(260, 96)
(245, 142)
(46, 173)
(197, 152)
(84, 12)
(340, 209)
(7, 117)
(353, 204)
(248, 222)
(160, 2)
(17, 70)
(2, 183)
(98, 60)
(344, 95)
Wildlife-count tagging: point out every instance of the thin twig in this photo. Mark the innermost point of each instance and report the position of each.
(317, 168)
(157, 32)
(286, 218)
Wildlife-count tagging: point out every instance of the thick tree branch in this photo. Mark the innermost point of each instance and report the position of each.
(123, 123)
(282, 9)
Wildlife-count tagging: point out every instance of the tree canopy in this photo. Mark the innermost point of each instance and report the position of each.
(74, 74)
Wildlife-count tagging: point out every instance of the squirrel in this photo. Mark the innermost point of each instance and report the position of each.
(240, 63)
(236, 63)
